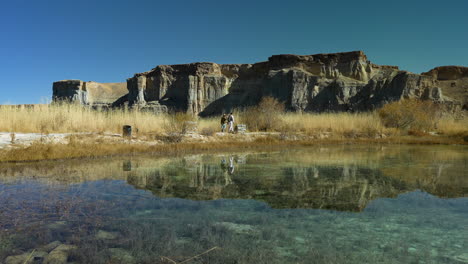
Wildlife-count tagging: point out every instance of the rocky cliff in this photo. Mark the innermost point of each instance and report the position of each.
(322, 82)
(90, 93)
(453, 81)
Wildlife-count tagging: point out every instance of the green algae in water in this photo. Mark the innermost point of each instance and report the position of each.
(321, 205)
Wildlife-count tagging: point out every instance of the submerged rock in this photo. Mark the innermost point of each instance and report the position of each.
(463, 258)
(300, 240)
(56, 257)
(237, 228)
(57, 225)
(121, 255)
(104, 235)
(27, 258)
(51, 246)
(64, 247)
(59, 255)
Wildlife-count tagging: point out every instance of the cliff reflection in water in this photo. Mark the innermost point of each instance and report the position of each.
(90, 211)
(342, 178)
(333, 177)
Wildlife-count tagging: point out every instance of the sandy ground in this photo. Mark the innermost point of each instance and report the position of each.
(8, 140)
(11, 140)
(19, 140)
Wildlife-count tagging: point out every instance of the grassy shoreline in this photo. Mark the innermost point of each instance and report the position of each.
(269, 125)
(96, 147)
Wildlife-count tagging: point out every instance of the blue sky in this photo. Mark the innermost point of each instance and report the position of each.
(109, 41)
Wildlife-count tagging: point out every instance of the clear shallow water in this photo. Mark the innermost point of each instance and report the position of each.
(317, 205)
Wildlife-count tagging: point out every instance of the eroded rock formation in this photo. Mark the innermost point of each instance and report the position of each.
(90, 93)
(453, 81)
(323, 82)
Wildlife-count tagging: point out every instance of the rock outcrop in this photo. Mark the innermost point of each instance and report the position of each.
(89, 93)
(323, 82)
(453, 81)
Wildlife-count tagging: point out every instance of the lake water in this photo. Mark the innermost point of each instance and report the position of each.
(329, 204)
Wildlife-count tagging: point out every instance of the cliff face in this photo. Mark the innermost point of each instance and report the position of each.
(89, 93)
(453, 81)
(322, 82)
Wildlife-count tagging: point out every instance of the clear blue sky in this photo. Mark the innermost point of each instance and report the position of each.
(109, 41)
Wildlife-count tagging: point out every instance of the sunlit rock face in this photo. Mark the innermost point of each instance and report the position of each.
(453, 81)
(89, 93)
(323, 82)
(70, 90)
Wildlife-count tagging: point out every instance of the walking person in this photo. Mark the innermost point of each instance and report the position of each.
(223, 122)
(231, 123)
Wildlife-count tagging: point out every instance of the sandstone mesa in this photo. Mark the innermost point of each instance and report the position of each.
(345, 81)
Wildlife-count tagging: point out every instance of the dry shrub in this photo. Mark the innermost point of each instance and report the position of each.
(209, 126)
(266, 116)
(208, 131)
(170, 137)
(417, 133)
(90, 147)
(350, 134)
(175, 123)
(410, 114)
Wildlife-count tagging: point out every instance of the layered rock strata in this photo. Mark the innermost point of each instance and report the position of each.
(90, 93)
(453, 81)
(323, 82)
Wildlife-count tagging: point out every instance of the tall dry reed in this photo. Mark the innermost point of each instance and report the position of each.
(66, 118)
(63, 118)
(450, 126)
(337, 123)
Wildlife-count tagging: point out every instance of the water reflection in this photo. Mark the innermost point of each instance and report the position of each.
(228, 170)
(377, 205)
(293, 180)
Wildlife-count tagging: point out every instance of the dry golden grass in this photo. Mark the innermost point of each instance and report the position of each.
(423, 117)
(63, 118)
(89, 147)
(340, 124)
(338, 127)
(337, 123)
(209, 124)
(451, 126)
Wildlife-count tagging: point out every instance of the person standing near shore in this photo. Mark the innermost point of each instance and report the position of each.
(223, 122)
(231, 123)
